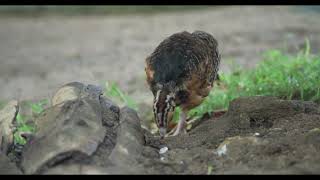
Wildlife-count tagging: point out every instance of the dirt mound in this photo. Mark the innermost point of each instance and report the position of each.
(85, 133)
(257, 135)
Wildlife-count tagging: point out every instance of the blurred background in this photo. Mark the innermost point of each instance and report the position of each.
(44, 47)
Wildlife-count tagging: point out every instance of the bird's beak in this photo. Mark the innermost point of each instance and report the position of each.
(162, 132)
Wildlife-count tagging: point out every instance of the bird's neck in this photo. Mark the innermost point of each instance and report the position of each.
(162, 99)
(163, 95)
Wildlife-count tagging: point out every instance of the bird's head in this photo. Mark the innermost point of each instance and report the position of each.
(163, 108)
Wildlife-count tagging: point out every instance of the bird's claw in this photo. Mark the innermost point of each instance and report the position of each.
(175, 131)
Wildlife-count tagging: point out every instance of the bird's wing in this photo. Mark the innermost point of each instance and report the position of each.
(174, 59)
(149, 71)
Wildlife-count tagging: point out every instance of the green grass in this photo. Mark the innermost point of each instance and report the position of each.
(279, 74)
(23, 126)
(113, 91)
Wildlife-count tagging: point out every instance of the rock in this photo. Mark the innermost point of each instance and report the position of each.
(234, 145)
(7, 116)
(70, 91)
(110, 112)
(146, 115)
(258, 135)
(110, 121)
(7, 167)
(71, 129)
(130, 142)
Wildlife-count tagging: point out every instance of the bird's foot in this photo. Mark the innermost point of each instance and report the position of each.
(175, 131)
(178, 131)
(172, 131)
(180, 127)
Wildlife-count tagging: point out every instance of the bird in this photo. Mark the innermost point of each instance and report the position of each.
(180, 72)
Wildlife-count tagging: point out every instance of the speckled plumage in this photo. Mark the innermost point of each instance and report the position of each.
(184, 65)
(182, 55)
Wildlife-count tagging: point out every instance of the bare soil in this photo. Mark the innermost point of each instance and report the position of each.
(86, 133)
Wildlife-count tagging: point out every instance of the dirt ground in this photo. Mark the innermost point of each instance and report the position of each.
(39, 54)
(256, 135)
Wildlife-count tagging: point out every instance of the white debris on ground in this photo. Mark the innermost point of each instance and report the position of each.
(256, 134)
(221, 151)
(163, 150)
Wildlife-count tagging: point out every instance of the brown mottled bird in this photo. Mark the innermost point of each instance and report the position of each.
(180, 72)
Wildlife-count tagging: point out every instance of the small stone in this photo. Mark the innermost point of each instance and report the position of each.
(67, 92)
(222, 151)
(163, 150)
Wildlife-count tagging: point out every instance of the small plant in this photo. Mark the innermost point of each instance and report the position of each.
(113, 91)
(281, 75)
(38, 107)
(23, 127)
(210, 168)
(176, 114)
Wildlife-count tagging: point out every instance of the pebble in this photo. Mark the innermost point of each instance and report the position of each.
(222, 151)
(163, 150)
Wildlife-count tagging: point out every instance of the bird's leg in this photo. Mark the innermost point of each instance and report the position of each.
(181, 124)
(172, 131)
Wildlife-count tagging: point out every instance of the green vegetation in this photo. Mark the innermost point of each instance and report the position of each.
(38, 107)
(22, 127)
(281, 75)
(114, 92)
(22, 124)
(210, 168)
